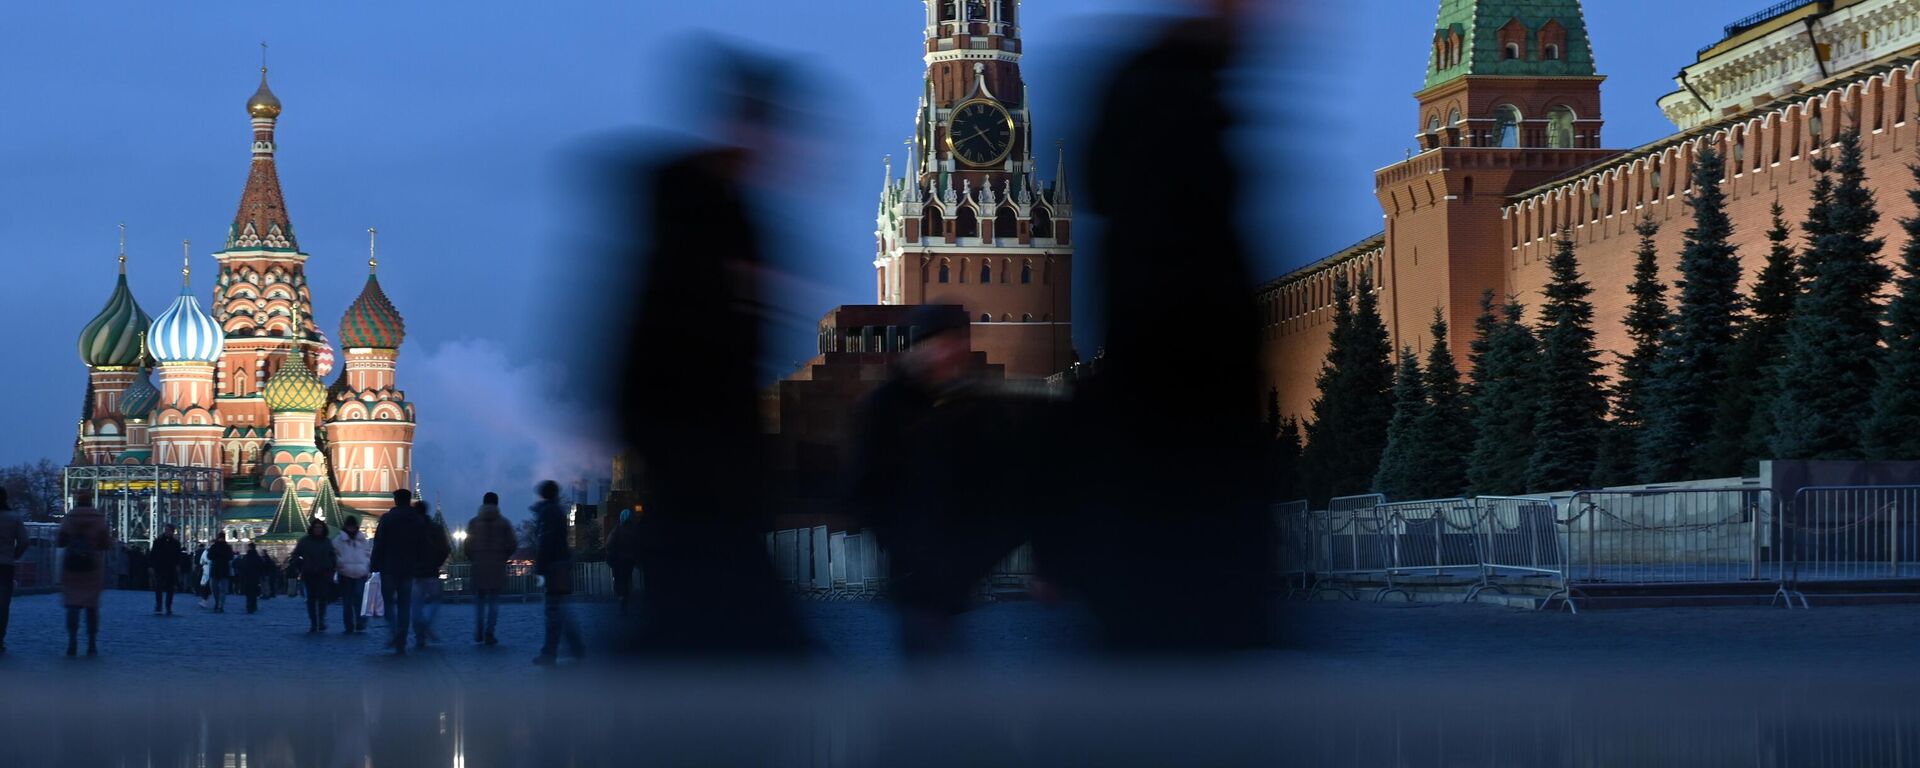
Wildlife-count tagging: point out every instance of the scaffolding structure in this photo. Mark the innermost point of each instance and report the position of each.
(140, 500)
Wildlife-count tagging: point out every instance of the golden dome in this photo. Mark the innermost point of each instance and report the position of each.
(263, 103)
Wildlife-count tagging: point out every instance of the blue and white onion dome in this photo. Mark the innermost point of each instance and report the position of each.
(185, 333)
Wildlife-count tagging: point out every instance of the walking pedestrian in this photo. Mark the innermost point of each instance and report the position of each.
(490, 543)
(435, 547)
(165, 558)
(396, 554)
(270, 585)
(352, 553)
(202, 575)
(13, 544)
(553, 560)
(623, 553)
(314, 559)
(251, 572)
(84, 541)
(220, 570)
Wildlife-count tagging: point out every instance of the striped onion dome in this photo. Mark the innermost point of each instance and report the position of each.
(185, 334)
(294, 387)
(113, 337)
(323, 357)
(372, 321)
(139, 400)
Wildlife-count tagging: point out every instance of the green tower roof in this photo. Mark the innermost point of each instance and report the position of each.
(1480, 24)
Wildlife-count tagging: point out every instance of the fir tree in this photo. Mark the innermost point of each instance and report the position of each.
(1692, 362)
(1571, 403)
(1505, 380)
(1349, 428)
(1647, 321)
(1828, 375)
(1287, 460)
(1399, 474)
(1444, 431)
(1893, 432)
(1745, 420)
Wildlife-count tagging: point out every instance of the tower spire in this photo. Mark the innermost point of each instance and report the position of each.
(373, 259)
(123, 247)
(186, 264)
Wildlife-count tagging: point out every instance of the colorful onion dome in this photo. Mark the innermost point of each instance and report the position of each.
(139, 400)
(294, 387)
(185, 333)
(113, 337)
(323, 357)
(372, 321)
(263, 103)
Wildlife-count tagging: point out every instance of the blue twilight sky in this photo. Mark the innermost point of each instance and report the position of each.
(466, 131)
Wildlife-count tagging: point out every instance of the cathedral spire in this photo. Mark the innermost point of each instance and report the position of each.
(1525, 38)
(262, 222)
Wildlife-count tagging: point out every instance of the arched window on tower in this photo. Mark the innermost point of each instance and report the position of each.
(1560, 128)
(1550, 52)
(1009, 11)
(1005, 225)
(986, 272)
(949, 10)
(1513, 51)
(1506, 126)
(1043, 221)
(1553, 41)
(931, 225)
(966, 224)
(946, 273)
(1026, 272)
(986, 318)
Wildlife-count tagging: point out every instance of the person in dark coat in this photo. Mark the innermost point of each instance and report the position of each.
(313, 559)
(165, 558)
(553, 560)
(490, 544)
(84, 539)
(220, 570)
(710, 583)
(397, 545)
(436, 546)
(1171, 457)
(623, 553)
(13, 544)
(250, 572)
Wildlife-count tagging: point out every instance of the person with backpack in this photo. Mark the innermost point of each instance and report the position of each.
(219, 570)
(84, 539)
(314, 559)
(13, 544)
(165, 558)
(251, 571)
(490, 544)
(352, 553)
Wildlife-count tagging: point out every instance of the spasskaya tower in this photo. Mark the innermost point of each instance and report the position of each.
(970, 222)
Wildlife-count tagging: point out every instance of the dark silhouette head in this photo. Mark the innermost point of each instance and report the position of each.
(83, 497)
(402, 497)
(317, 528)
(422, 508)
(252, 548)
(351, 524)
(548, 490)
(490, 498)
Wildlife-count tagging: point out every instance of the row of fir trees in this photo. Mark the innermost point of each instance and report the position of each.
(1817, 361)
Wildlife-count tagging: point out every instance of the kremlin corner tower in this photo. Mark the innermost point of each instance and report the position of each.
(241, 381)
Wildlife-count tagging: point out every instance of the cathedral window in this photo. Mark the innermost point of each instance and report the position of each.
(945, 273)
(1560, 128)
(1506, 120)
(986, 273)
(1026, 273)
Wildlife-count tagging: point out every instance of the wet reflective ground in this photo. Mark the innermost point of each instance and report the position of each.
(1364, 685)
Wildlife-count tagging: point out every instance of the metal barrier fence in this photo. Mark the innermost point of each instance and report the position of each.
(1861, 534)
(1668, 536)
(589, 580)
(1520, 545)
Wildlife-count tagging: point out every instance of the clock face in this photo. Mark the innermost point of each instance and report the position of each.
(980, 133)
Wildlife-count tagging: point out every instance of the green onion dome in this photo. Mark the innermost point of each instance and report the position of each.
(112, 339)
(371, 321)
(294, 388)
(139, 400)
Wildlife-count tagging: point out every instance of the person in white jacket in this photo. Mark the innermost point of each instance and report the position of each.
(353, 552)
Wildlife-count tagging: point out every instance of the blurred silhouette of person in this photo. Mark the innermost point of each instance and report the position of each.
(1171, 553)
(251, 571)
(436, 548)
(490, 544)
(220, 570)
(84, 541)
(397, 548)
(353, 558)
(553, 561)
(13, 545)
(916, 483)
(314, 559)
(709, 580)
(623, 552)
(166, 557)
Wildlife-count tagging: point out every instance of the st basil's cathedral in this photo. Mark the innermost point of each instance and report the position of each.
(241, 382)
